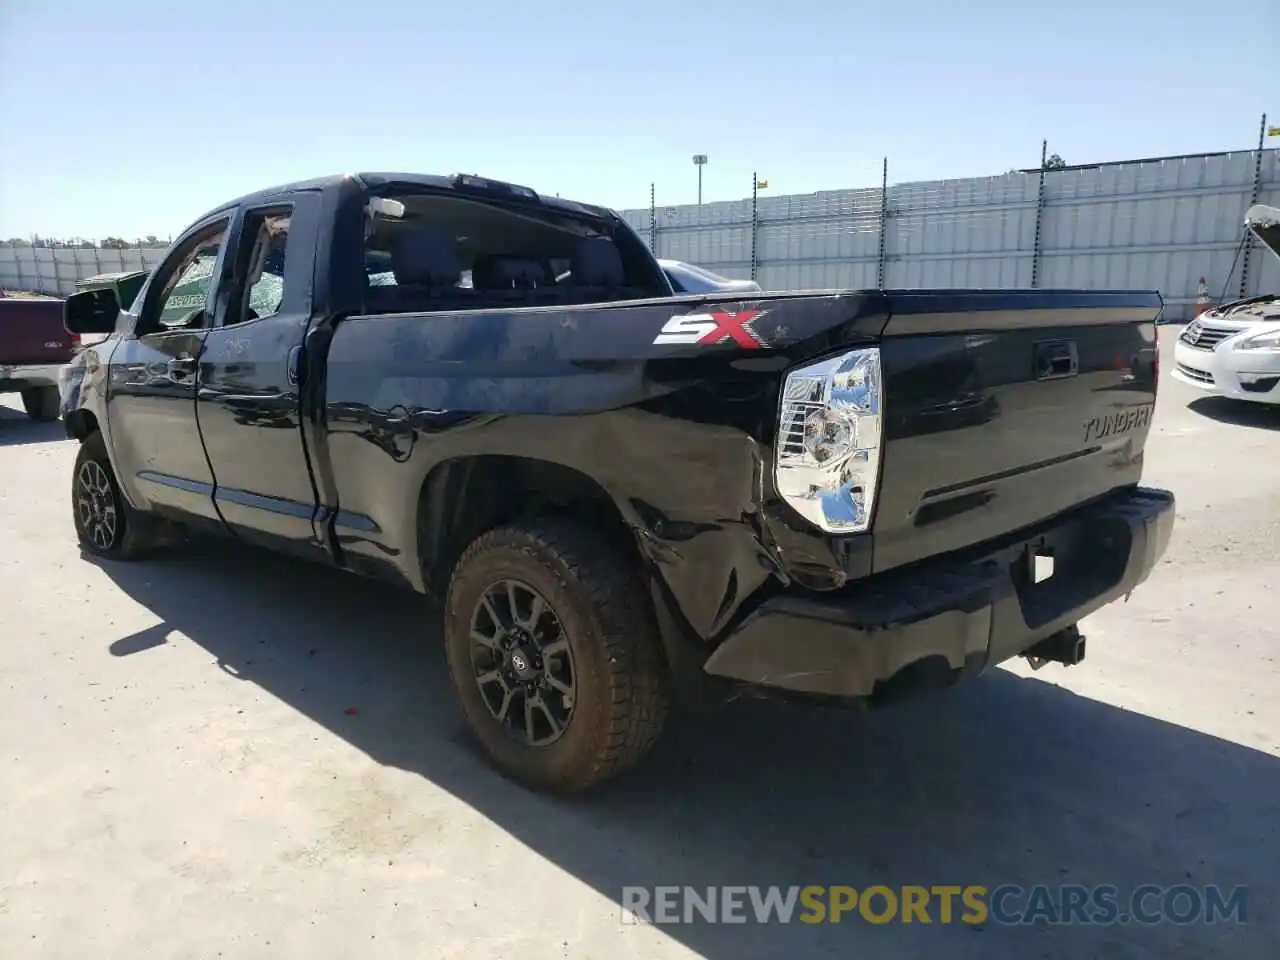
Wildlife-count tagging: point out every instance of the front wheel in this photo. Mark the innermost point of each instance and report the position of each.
(554, 656)
(105, 523)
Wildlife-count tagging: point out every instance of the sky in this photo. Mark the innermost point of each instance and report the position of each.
(134, 117)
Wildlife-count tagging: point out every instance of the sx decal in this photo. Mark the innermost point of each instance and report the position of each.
(718, 327)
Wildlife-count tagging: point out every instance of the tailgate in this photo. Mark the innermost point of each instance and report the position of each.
(31, 332)
(1005, 408)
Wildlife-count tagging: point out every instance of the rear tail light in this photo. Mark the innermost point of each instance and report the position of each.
(827, 463)
(1156, 347)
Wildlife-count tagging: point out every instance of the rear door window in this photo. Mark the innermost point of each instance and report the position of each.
(260, 262)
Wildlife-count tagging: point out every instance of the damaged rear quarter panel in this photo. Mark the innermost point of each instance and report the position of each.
(678, 435)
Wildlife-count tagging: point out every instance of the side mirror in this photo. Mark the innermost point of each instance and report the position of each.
(92, 311)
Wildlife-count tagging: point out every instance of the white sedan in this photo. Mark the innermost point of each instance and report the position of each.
(688, 278)
(1234, 350)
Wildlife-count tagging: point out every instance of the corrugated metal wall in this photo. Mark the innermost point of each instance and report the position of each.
(1157, 224)
(56, 269)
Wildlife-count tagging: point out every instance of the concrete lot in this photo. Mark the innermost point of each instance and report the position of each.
(229, 754)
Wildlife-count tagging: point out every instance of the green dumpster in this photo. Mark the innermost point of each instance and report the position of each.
(126, 284)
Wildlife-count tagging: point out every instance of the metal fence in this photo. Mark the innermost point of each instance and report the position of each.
(56, 269)
(1150, 224)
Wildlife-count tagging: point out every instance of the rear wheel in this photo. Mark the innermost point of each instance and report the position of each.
(553, 654)
(105, 523)
(41, 403)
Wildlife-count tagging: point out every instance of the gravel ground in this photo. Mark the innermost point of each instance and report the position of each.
(231, 754)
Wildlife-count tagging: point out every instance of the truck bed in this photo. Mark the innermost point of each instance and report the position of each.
(1001, 408)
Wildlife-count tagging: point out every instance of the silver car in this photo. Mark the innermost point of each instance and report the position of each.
(688, 278)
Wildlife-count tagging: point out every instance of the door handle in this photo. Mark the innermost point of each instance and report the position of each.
(293, 366)
(1056, 359)
(182, 368)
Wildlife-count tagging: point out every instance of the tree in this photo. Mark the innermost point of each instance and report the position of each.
(1055, 162)
(114, 243)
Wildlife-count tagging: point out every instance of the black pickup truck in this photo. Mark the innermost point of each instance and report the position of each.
(622, 498)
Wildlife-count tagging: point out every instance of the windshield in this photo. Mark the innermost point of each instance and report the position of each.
(1264, 221)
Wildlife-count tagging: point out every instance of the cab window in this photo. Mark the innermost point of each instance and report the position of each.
(260, 260)
(467, 251)
(184, 284)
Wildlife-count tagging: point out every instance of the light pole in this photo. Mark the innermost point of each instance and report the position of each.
(699, 161)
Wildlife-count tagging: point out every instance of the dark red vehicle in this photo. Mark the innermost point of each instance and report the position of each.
(33, 346)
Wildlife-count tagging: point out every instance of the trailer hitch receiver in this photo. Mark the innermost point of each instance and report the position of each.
(1065, 647)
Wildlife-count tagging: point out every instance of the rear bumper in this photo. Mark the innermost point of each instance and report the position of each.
(969, 610)
(22, 376)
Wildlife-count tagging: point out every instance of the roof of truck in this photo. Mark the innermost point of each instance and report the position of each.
(376, 179)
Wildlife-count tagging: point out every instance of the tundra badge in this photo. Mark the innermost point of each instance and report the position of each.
(1114, 424)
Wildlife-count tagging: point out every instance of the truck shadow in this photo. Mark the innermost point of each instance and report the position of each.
(16, 429)
(1238, 412)
(1006, 781)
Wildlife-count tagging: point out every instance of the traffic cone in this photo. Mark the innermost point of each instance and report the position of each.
(1203, 302)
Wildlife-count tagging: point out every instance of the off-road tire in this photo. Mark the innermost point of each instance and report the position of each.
(42, 403)
(622, 696)
(135, 534)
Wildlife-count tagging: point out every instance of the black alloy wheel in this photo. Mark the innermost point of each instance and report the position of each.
(97, 506)
(522, 662)
(106, 525)
(554, 654)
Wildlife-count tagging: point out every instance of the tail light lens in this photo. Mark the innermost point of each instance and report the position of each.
(827, 462)
(1156, 347)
